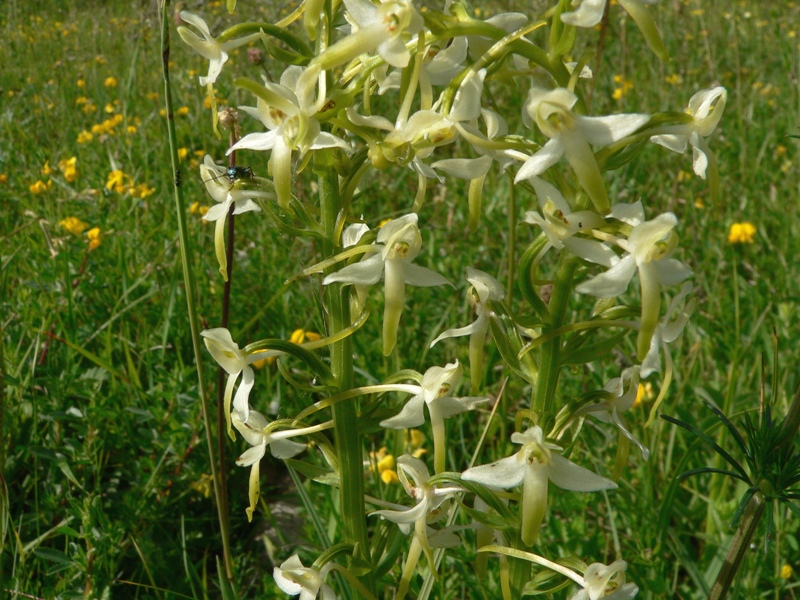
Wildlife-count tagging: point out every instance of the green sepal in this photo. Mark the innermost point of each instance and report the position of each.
(545, 583)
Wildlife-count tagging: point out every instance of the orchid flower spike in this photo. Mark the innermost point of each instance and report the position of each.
(570, 135)
(293, 579)
(649, 250)
(397, 244)
(434, 392)
(484, 289)
(534, 466)
(254, 429)
(706, 108)
(208, 46)
(226, 194)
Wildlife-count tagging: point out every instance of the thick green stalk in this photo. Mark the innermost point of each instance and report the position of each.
(345, 415)
(189, 285)
(549, 366)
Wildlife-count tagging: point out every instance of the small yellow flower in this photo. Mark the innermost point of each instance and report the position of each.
(183, 111)
(384, 463)
(81, 100)
(110, 82)
(131, 129)
(414, 438)
(742, 233)
(109, 108)
(787, 572)
(162, 112)
(89, 108)
(74, 225)
(3, 179)
(46, 170)
(153, 96)
(93, 236)
(40, 187)
(99, 60)
(301, 335)
(84, 137)
(698, 203)
(141, 191)
(624, 86)
(183, 153)
(673, 79)
(192, 73)
(69, 168)
(118, 181)
(81, 83)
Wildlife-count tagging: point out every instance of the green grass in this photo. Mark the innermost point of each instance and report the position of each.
(103, 456)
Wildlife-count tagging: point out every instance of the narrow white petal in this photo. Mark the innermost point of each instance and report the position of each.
(542, 160)
(611, 283)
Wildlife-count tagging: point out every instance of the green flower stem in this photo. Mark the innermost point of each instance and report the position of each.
(190, 285)
(345, 415)
(550, 359)
(740, 545)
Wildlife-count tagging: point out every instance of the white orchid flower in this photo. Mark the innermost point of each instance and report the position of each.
(382, 27)
(623, 390)
(570, 135)
(414, 477)
(534, 466)
(484, 289)
(253, 428)
(434, 392)
(560, 224)
(226, 194)
(397, 244)
(706, 108)
(235, 362)
(291, 129)
(606, 582)
(208, 47)
(293, 579)
(649, 248)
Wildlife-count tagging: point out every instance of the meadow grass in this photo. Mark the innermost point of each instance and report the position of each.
(105, 473)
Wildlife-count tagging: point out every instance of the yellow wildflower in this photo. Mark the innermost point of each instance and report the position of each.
(110, 82)
(69, 168)
(81, 100)
(742, 233)
(414, 438)
(131, 129)
(624, 86)
(200, 209)
(786, 572)
(99, 60)
(40, 187)
(301, 335)
(153, 96)
(3, 179)
(81, 83)
(673, 79)
(162, 112)
(183, 111)
(89, 108)
(384, 464)
(74, 225)
(109, 108)
(141, 191)
(118, 181)
(94, 238)
(183, 153)
(46, 170)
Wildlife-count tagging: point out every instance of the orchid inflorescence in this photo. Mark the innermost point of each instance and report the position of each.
(432, 69)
